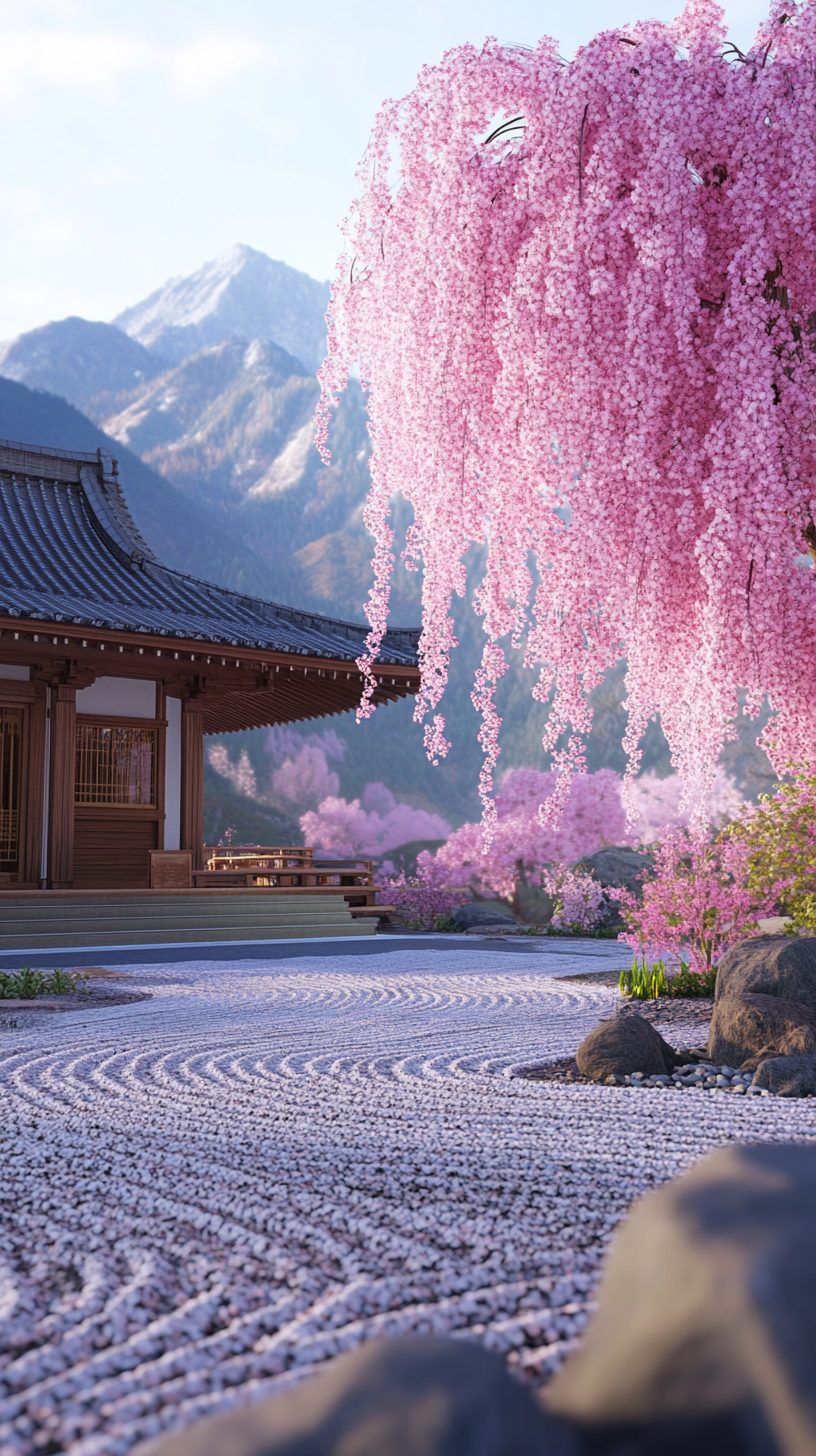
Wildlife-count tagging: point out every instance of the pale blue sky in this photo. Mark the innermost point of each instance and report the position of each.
(142, 139)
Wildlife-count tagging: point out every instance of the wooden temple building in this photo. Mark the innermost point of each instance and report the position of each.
(113, 667)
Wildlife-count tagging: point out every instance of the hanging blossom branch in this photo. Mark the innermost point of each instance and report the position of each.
(588, 340)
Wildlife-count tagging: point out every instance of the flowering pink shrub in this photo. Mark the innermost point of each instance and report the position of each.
(369, 826)
(306, 778)
(580, 899)
(699, 901)
(604, 315)
(656, 804)
(422, 898)
(283, 741)
(522, 844)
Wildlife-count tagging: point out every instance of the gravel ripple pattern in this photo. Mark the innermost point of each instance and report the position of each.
(209, 1193)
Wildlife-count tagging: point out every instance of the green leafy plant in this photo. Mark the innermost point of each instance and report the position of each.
(23, 986)
(446, 924)
(779, 834)
(60, 983)
(26, 984)
(643, 982)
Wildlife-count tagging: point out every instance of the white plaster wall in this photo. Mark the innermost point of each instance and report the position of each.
(172, 775)
(15, 670)
(121, 697)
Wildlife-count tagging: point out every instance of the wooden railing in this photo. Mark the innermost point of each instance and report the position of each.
(284, 867)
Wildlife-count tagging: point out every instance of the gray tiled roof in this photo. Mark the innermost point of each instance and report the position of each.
(70, 552)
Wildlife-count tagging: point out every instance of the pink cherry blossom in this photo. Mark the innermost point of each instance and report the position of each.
(580, 899)
(522, 844)
(369, 826)
(421, 898)
(306, 778)
(698, 901)
(587, 331)
(657, 804)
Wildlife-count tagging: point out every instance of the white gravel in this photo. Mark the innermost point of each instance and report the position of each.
(207, 1194)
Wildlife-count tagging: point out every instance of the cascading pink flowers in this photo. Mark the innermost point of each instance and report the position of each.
(583, 299)
(593, 816)
(698, 902)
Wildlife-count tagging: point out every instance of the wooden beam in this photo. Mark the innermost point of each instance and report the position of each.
(192, 780)
(178, 651)
(61, 789)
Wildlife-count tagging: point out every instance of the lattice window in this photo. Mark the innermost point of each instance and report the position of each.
(11, 737)
(115, 765)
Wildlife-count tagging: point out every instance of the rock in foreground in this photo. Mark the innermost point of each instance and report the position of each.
(623, 1045)
(706, 1315)
(742, 1027)
(770, 965)
(788, 1076)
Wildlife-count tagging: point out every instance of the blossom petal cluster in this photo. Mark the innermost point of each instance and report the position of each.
(698, 900)
(582, 297)
(521, 845)
(581, 901)
(422, 899)
(372, 825)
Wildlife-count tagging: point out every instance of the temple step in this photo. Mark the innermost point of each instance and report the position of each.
(37, 920)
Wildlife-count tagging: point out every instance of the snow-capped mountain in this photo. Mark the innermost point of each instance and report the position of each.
(236, 419)
(242, 294)
(80, 360)
(226, 413)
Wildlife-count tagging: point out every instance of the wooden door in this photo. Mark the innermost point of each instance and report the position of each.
(118, 801)
(22, 758)
(11, 791)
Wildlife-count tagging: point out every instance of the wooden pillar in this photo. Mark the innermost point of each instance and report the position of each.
(61, 789)
(35, 788)
(192, 781)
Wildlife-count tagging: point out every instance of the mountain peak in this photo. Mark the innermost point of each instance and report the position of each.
(78, 359)
(240, 294)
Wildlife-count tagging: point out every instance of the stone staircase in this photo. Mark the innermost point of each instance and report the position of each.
(34, 920)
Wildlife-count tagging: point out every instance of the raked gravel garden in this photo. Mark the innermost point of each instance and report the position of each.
(207, 1194)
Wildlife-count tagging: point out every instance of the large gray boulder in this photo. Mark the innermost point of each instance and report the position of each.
(707, 1311)
(743, 1026)
(788, 1076)
(480, 913)
(770, 965)
(621, 1045)
(619, 867)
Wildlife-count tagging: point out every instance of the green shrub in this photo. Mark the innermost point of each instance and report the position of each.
(23, 986)
(692, 983)
(446, 924)
(27, 984)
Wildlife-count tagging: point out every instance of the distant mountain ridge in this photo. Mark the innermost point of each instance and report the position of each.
(241, 294)
(229, 422)
(236, 419)
(80, 360)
